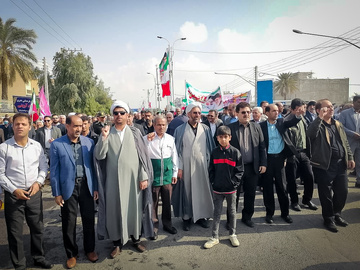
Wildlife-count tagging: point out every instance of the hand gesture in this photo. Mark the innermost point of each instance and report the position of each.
(151, 136)
(105, 131)
(324, 112)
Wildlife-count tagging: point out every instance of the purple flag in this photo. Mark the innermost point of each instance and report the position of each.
(44, 105)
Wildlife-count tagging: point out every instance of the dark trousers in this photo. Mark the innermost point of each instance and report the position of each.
(301, 164)
(165, 191)
(81, 197)
(275, 174)
(15, 212)
(332, 188)
(249, 183)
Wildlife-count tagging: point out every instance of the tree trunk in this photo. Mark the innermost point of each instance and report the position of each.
(4, 85)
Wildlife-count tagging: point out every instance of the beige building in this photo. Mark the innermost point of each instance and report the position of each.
(309, 88)
(19, 88)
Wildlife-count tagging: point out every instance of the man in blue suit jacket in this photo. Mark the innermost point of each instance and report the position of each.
(350, 119)
(74, 183)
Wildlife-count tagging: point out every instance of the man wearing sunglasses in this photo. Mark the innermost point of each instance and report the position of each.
(46, 135)
(125, 192)
(248, 138)
(194, 144)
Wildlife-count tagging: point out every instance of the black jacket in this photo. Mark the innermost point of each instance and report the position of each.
(257, 141)
(226, 169)
(320, 144)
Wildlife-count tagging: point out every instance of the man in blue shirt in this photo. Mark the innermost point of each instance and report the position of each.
(275, 139)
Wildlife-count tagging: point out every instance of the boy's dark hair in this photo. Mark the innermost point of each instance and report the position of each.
(223, 130)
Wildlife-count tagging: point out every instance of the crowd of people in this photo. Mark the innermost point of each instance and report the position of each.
(120, 165)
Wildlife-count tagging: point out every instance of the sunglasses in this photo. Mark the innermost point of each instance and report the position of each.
(47, 120)
(245, 112)
(196, 112)
(117, 113)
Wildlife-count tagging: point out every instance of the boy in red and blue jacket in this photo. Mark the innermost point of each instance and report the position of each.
(225, 171)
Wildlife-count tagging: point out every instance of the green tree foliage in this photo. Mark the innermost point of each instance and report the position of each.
(75, 86)
(15, 54)
(285, 84)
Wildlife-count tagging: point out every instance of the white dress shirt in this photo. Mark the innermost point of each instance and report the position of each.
(163, 148)
(21, 166)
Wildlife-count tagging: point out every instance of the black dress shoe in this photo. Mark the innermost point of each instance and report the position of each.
(295, 207)
(330, 225)
(203, 223)
(248, 222)
(171, 230)
(357, 185)
(43, 264)
(269, 219)
(340, 221)
(186, 224)
(287, 219)
(311, 205)
(154, 237)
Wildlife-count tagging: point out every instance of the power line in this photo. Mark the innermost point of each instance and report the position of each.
(56, 24)
(258, 52)
(45, 22)
(37, 22)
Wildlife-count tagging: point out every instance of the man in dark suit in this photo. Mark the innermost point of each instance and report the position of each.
(248, 138)
(46, 135)
(278, 147)
(213, 122)
(74, 183)
(300, 162)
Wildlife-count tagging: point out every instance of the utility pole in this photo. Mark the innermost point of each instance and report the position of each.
(148, 97)
(256, 80)
(157, 86)
(46, 81)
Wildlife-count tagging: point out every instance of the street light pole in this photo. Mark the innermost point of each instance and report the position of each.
(320, 35)
(154, 88)
(246, 80)
(171, 71)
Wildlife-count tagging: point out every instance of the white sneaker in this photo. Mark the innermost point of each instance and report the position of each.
(234, 241)
(211, 242)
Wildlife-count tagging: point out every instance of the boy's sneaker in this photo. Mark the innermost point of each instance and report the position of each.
(234, 241)
(211, 242)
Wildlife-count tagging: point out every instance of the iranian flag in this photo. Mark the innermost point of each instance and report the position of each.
(164, 75)
(34, 107)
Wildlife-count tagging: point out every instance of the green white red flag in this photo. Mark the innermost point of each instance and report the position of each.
(164, 75)
(34, 107)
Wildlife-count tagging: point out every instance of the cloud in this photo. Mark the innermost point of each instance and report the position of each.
(194, 33)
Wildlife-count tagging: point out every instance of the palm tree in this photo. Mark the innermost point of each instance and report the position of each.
(285, 84)
(15, 54)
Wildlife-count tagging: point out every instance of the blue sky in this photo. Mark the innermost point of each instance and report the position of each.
(120, 38)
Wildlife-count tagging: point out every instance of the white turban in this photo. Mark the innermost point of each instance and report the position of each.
(71, 114)
(192, 106)
(121, 104)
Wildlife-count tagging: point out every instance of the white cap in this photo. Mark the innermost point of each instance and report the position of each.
(121, 104)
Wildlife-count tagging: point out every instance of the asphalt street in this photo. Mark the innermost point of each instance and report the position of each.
(305, 244)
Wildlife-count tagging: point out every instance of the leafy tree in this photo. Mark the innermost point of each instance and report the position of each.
(75, 86)
(15, 54)
(285, 84)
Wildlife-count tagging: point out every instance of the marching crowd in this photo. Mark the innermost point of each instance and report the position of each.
(120, 165)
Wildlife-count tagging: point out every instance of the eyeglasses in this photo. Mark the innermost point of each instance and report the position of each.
(245, 112)
(196, 112)
(117, 113)
(47, 120)
(210, 116)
